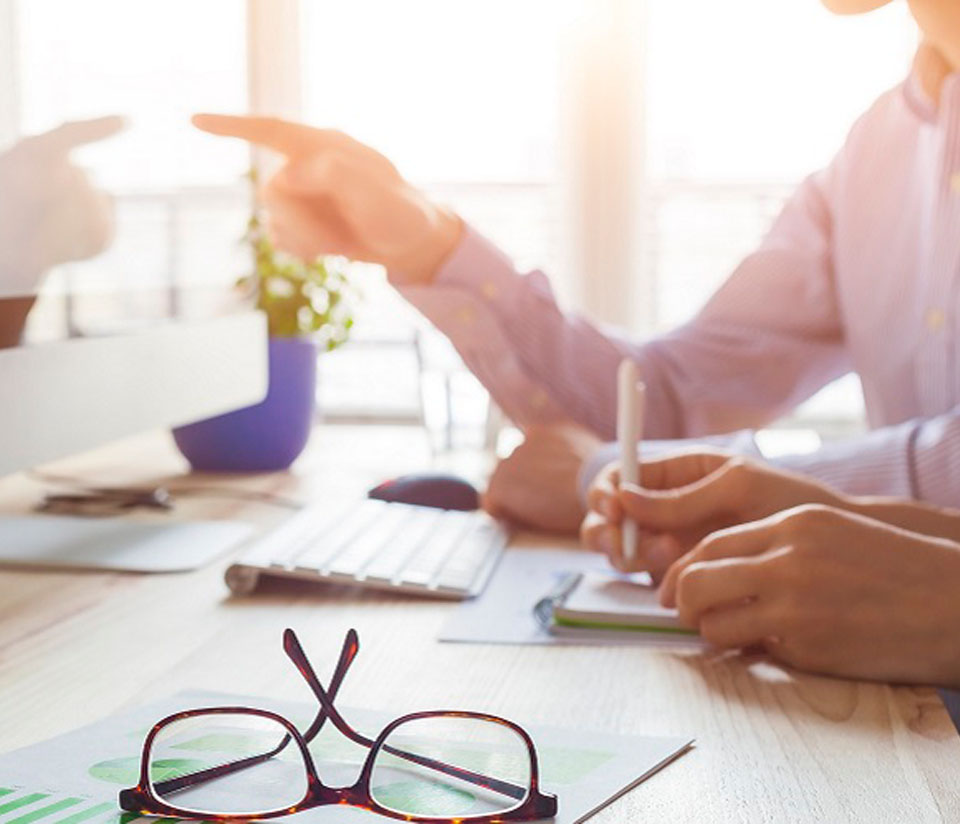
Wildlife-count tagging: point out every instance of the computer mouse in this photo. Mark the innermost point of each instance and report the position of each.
(429, 489)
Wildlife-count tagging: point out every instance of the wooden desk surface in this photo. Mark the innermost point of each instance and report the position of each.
(772, 745)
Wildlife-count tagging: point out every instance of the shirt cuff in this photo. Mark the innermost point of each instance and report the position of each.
(472, 300)
(479, 267)
(475, 266)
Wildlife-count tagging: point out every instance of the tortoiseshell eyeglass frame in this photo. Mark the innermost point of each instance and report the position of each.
(531, 803)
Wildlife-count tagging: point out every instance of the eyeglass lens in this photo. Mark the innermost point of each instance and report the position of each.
(471, 747)
(227, 764)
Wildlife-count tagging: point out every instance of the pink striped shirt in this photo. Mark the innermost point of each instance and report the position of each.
(860, 272)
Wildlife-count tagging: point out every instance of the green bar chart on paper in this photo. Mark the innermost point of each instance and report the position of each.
(22, 807)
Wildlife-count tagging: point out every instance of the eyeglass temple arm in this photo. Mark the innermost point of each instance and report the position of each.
(291, 645)
(347, 654)
(351, 646)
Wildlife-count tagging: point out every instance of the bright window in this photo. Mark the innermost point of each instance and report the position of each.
(758, 96)
(739, 100)
(464, 97)
(179, 207)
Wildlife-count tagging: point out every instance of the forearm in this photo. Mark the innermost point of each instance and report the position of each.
(736, 366)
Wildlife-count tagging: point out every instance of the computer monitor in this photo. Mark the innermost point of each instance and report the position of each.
(63, 396)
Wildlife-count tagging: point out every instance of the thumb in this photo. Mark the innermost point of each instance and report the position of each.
(670, 510)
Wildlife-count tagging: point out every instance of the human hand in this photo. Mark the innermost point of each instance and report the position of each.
(536, 486)
(337, 196)
(684, 498)
(656, 549)
(827, 591)
(50, 212)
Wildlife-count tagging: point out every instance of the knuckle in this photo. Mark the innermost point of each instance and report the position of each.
(738, 463)
(808, 515)
(609, 476)
(590, 527)
(811, 528)
(741, 476)
(741, 469)
(690, 580)
(712, 546)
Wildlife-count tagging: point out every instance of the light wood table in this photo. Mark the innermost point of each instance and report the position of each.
(772, 745)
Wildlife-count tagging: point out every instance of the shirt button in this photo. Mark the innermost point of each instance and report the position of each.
(490, 290)
(936, 318)
(955, 182)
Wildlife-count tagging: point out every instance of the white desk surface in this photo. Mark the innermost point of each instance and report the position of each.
(772, 745)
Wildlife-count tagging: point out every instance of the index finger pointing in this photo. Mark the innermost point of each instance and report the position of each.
(79, 132)
(290, 139)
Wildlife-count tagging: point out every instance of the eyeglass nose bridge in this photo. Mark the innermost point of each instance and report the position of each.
(350, 795)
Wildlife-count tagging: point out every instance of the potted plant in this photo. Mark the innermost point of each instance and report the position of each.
(308, 310)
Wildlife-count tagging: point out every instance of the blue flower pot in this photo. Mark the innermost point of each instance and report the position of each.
(266, 437)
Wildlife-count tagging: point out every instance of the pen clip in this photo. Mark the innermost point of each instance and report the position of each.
(543, 610)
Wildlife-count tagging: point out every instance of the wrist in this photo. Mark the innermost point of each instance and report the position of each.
(421, 267)
(945, 654)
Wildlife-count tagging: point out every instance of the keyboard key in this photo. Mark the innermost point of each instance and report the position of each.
(473, 555)
(429, 558)
(363, 547)
(323, 546)
(394, 556)
(280, 546)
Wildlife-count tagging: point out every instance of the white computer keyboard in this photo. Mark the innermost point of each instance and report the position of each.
(421, 550)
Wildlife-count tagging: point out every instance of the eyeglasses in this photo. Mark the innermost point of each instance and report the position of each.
(240, 763)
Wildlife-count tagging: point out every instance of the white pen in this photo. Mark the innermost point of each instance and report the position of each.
(631, 397)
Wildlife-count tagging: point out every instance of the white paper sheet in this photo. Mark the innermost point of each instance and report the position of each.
(76, 777)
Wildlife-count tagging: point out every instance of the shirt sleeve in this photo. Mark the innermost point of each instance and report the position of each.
(917, 459)
(768, 339)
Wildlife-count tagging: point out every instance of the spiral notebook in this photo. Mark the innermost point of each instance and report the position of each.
(597, 601)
